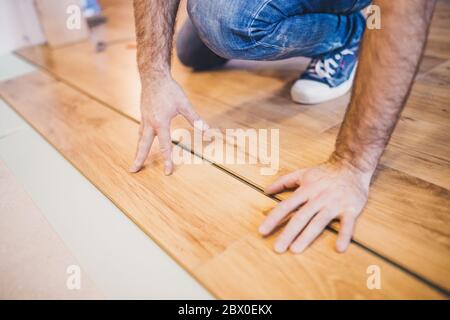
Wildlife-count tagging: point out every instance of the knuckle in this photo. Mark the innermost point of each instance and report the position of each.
(330, 212)
(299, 173)
(299, 218)
(145, 125)
(157, 125)
(323, 220)
(166, 149)
(315, 230)
(284, 205)
(346, 234)
(271, 220)
(185, 107)
(323, 197)
(350, 214)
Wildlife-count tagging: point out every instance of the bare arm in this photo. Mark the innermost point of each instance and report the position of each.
(389, 61)
(338, 189)
(155, 24)
(161, 98)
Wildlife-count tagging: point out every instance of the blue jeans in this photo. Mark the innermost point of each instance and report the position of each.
(277, 29)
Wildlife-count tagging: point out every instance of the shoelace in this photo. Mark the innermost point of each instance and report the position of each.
(326, 68)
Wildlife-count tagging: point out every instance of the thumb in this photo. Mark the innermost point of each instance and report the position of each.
(193, 117)
(345, 233)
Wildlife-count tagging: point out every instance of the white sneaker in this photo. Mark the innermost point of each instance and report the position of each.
(326, 78)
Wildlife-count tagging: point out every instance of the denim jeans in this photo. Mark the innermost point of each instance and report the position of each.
(277, 29)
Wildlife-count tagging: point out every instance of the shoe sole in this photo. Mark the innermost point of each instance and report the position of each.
(334, 93)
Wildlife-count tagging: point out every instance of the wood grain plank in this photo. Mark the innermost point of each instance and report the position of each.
(277, 278)
(119, 24)
(210, 233)
(439, 39)
(429, 63)
(438, 76)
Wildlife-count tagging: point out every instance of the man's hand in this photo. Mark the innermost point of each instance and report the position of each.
(333, 190)
(161, 98)
(161, 101)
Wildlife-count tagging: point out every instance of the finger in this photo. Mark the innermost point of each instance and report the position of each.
(282, 210)
(312, 231)
(285, 182)
(194, 118)
(165, 145)
(145, 144)
(296, 225)
(345, 233)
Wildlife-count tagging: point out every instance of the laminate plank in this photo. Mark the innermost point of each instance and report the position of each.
(119, 24)
(429, 63)
(210, 233)
(90, 68)
(438, 76)
(420, 144)
(255, 95)
(272, 271)
(439, 39)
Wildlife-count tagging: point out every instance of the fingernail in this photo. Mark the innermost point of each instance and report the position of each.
(268, 190)
(279, 248)
(340, 248)
(168, 168)
(296, 249)
(263, 229)
(133, 169)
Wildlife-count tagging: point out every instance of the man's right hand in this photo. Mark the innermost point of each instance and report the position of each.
(161, 101)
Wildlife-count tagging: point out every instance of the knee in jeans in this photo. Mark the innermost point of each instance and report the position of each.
(222, 26)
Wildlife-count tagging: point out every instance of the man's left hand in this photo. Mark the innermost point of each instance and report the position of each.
(333, 190)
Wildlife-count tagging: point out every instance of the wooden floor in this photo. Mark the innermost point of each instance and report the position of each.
(86, 104)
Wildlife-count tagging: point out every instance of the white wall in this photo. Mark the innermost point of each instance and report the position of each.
(19, 25)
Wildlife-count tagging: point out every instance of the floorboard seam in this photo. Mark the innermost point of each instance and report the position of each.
(432, 69)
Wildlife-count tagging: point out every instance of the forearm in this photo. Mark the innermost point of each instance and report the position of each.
(388, 63)
(155, 24)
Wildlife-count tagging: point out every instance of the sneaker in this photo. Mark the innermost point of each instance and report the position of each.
(327, 77)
